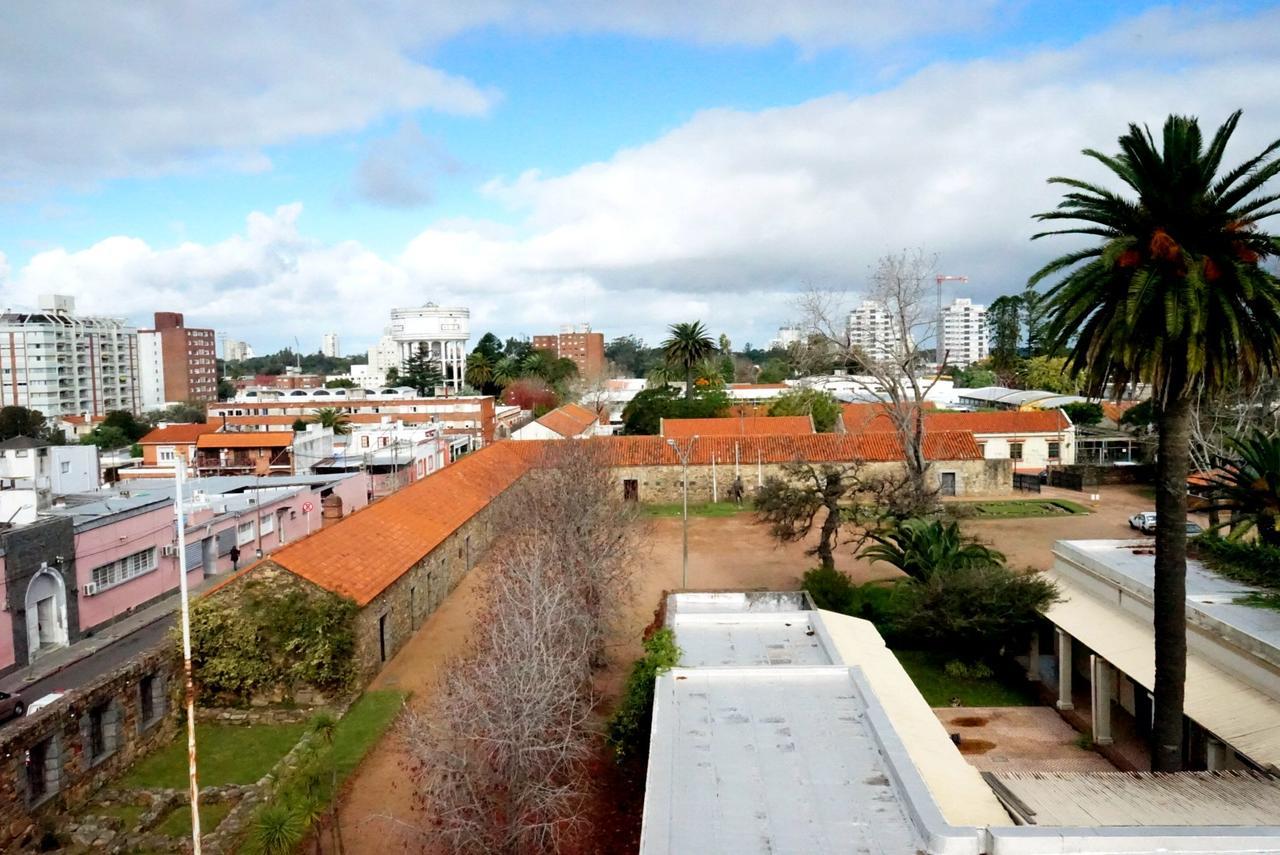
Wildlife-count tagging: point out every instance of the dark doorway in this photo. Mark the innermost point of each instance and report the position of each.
(382, 638)
(631, 490)
(948, 484)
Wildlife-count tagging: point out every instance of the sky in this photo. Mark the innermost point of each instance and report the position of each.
(282, 170)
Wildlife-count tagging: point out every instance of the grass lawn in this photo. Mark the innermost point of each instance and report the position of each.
(927, 671)
(699, 509)
(1013, 508)
(228, 754)
(177, 823)
(362, 726)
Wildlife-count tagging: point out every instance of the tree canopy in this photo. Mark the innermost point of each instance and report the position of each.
(819, 404)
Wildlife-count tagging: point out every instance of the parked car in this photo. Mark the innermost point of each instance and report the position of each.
(43, 701)
(11, 706)
(1144, 522)
(1194, 528)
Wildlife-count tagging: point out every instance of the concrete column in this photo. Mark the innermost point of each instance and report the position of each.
(1064, 670)
(1100, 679)
(1033, 658)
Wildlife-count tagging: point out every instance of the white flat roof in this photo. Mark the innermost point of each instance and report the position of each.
(776, 760)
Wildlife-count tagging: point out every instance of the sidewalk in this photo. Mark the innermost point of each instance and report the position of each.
(57, 660)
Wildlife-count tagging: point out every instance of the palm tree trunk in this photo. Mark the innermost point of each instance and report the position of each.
(688, 382)
(1170, 605)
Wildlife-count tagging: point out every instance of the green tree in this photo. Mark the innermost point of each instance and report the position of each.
(1004, 319)
(631, 356)
(644, 413)
(921, 548)
(792, 505)
(490, 347)
(506, 371)
(127, 423)
(226, 389)
(107, 438)
(687, 346)
(975, 376)
(332, 417)
(341, 383)
(191, 412)
(821, 405)
(480, 367)
(1048, 374)
(1086, 414)
(422, 372)
(1248, 485)
(1172, 294)
(19, 421)
(774, 371)
(1034, 308)
(392, 377)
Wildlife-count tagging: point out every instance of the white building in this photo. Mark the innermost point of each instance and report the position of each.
(329, 345)
(873, 332)
(787, 336)
(236, 351)
(383, 356)
(150, 371)
(964, 332)
(440, 331)
(60, 363)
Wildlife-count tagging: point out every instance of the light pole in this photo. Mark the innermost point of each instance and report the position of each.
(179, 476)
(683, 454)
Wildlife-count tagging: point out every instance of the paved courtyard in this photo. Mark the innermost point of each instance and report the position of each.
(1020, 739)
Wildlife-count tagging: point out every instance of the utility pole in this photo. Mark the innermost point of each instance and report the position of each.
(684, 464)
(179, 477)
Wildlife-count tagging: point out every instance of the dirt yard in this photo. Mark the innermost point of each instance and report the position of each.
(730, 552)
(1020, 739)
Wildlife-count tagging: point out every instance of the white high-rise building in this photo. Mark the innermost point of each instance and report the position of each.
(964, 332)
(441, 331)
(150, 371)
(873, 332)
(236, 351)
(329, 345)
(787, 336)
(64, 364)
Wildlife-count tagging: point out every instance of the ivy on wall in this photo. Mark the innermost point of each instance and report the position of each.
(264, 639)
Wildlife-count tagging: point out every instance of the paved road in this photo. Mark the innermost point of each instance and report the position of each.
(111, 656)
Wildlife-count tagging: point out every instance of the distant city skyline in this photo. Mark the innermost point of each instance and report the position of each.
(619, 164)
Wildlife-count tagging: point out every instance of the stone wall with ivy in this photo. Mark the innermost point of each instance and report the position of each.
(272, 637)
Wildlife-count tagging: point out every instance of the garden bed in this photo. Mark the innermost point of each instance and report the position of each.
(1015, 508)
(228, 754)
(699, 509)
(1005, 687)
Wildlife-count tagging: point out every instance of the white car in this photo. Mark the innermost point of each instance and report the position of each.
(1144, 522)
(44, 701)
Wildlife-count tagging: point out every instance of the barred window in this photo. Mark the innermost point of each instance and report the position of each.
(124, 569)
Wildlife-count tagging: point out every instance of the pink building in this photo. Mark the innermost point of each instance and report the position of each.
(98, 557)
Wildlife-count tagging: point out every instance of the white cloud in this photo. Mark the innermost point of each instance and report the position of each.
(399, 171)
(726, 216)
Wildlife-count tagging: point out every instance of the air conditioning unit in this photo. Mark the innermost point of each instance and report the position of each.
(169, 551)
(90, 589)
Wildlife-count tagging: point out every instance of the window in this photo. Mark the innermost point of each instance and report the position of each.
(150, 701)
(267, 524)
(1055, 450)
(124, 569)
(97, 732)
(244, 533)
(1015, 451)
(65, 467)
(166, 454)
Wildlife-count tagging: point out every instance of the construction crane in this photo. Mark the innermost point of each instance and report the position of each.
(942, 352)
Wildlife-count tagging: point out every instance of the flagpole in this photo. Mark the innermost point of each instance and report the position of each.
(179, 478)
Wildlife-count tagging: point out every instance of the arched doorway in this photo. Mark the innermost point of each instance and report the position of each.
(46, 607)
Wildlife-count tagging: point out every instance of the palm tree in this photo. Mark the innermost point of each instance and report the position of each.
(479, 369)
(925, 548)
(1249, 486)
(686, 347)
(332, 417)
(506, 371)
(1171, 294)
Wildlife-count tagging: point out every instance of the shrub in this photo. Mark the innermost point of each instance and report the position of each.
(972, 610)
(962, 671)
(628, 728)
(830, 589)
(1251, 562)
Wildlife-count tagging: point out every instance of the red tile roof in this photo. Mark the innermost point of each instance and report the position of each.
(177, 434)
(742, 425)
(366, 552)
(247, 439)
(1113, 411)
(569, 420)
(871, 418)
(813, 448)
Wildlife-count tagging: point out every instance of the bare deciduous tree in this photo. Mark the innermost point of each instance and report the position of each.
(895, 369)
(499, 758)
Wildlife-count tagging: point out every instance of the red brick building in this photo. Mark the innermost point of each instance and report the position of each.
(189, 357)
(584, 347)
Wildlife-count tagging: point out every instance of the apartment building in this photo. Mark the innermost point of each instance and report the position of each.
(873, 332)
(64, 364)
(964, 332)
(236, 351)
(579, 343)
(329, 345)
(176, 363)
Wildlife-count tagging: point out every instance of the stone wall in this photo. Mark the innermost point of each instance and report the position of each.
(387, 622)
(46, 544)
(659, 484)
(57, 758)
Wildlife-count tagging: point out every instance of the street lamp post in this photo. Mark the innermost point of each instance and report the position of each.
(683, 454)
